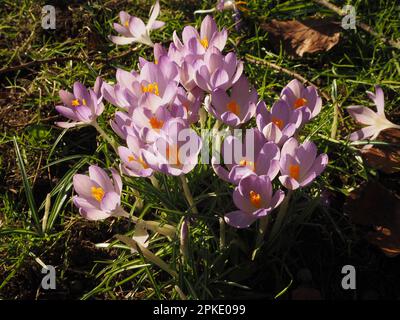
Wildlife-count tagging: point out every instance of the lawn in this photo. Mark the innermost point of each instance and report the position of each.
(329, 224)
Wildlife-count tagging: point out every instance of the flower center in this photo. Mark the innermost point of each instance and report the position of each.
(294, 171)
(255, 199)
(152, 88)
(155, 123)
(233, 107)
(76, 102)
(299, 103)
(204, 42)
(97, 193)
(140, 160)
(126, 24)
(278, 122)
(247, 163)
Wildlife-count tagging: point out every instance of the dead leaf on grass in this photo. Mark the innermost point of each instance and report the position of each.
(308, 36)
(374, 205)
(381, 157)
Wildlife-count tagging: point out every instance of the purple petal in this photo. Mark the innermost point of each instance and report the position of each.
(289, 183)
(239, 219)
(362, 115)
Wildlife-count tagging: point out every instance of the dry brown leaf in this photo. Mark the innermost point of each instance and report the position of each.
(308, 36)
(374, 205)
(384, 158)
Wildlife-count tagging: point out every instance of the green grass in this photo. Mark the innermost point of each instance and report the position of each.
(38, 159)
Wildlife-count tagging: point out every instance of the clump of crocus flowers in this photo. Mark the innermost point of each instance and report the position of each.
(162, 102)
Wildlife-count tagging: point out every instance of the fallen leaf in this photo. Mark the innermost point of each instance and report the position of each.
(382, 157)
(308, 36)
(374, 205)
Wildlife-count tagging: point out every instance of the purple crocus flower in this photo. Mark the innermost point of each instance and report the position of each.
(218, 71)
(255, 199)
(98, 197)
(303, 98)
(83, 106)
(120, 95)
(121, 122)
(149, 118)
(375, 122)
(158, 52)
(299, 164)
(252, 156)
(189, 103)
(133, 29)
(132, 158)
(236, 109)
(209, 37)
(176, 150)
(280, 123)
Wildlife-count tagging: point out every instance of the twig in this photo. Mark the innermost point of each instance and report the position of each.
(294, 74)
(61, 59)
(362, 25)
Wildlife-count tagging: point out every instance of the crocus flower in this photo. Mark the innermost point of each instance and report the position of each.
(98, 197)
(189, 103)
(255, 199)
(133, 29)
(176, 150)
(209, 37)
(83, 106)
(218, 71)
(120, 123)
(280, 123)
(375, 122)
(304, 98)
(158, 52)
(252, 156)
(231, 5)
(132, 158)
(236, 109)
(299, 164)
(159, 80)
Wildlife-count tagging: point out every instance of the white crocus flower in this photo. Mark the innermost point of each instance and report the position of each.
(133, 29)
(375, 122)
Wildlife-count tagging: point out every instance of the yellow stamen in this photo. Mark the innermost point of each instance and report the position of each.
(233, 107)
(294, 171)
(152, 88)
(155, 123)
(299, 103)
(155, 61)
(247, 163)
(75, 103)
(140, 160)
(126, 24)
(97, 193)
(83, 102)
(255, 199)
(278, 122)
(204, 42)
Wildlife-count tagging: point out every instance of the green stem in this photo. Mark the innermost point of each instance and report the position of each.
(105, 136)
(147, 254)
(222, 239)
(262, 227)
(166, 229)
(188, 194)
(281, 215)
